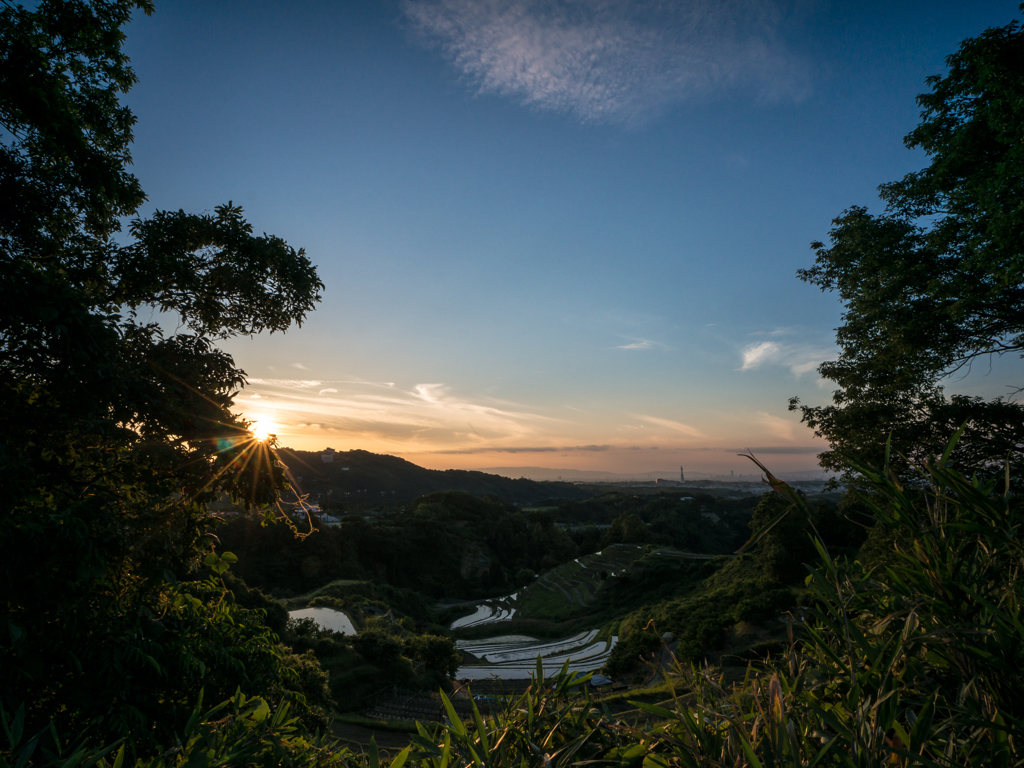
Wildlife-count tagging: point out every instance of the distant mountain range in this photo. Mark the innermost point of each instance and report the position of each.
(589, 476)
(361, 477)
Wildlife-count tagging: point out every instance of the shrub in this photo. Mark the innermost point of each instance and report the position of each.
(437, 653)
(378, 647)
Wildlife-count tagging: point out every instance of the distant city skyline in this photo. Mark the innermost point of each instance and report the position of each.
(576, 475)
(560, 230)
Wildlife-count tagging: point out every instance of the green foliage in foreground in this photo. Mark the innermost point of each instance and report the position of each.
(922, 665)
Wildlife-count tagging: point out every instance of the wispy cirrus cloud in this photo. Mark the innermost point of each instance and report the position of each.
(799, 357)
(430, 393)
(785, 429)
(613, 60)
(756, 354)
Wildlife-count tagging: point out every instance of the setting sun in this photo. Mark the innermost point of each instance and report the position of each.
(262, 428)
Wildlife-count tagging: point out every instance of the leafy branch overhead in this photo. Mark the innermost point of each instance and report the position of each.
(212, 271)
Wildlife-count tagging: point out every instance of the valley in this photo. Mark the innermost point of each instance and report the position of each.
(468, 595)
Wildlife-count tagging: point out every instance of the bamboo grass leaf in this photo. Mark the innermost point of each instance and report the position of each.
(400, 760)
(951, 445)
(748, 749)
(453, 717)
(655, 710)
(481, 732)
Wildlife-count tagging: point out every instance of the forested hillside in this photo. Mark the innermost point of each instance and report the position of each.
(363, 479)
(445, 545)
(457, 545)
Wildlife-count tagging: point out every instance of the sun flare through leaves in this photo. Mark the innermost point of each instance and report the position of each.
(263, 429)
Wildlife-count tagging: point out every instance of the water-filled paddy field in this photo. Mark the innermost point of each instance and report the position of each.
(327, 618)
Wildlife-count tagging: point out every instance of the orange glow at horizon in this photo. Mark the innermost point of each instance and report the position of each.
(437, 428)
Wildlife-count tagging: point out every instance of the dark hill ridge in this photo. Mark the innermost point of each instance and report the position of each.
(402, 481)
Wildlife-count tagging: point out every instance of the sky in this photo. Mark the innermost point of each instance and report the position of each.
(560, 233)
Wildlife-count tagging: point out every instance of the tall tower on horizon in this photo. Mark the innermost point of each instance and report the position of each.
(682, 477)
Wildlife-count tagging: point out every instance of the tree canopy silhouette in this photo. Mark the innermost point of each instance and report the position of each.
(116, 436)
(936, 281)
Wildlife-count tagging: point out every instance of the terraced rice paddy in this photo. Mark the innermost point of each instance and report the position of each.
(573, 586)
(518, 659)
(567, 589)
(489, 612)
(559, 593)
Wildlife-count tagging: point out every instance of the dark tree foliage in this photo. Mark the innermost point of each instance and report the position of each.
(783, 546)
(114, 436)
(446, 545)
(628, 529)
(936, 282)
(437, 654)
(782, 538)
(702, 523)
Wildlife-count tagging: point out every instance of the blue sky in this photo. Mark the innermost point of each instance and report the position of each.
(556, 234)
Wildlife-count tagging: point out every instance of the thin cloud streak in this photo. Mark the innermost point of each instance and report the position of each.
(677, 426)
(317, 382)
(526, 449)
(636, 345)
(779, 449)
(618, 61)
(641, 344)
(300, 383)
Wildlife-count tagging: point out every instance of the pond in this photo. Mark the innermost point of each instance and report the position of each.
(327, 618)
